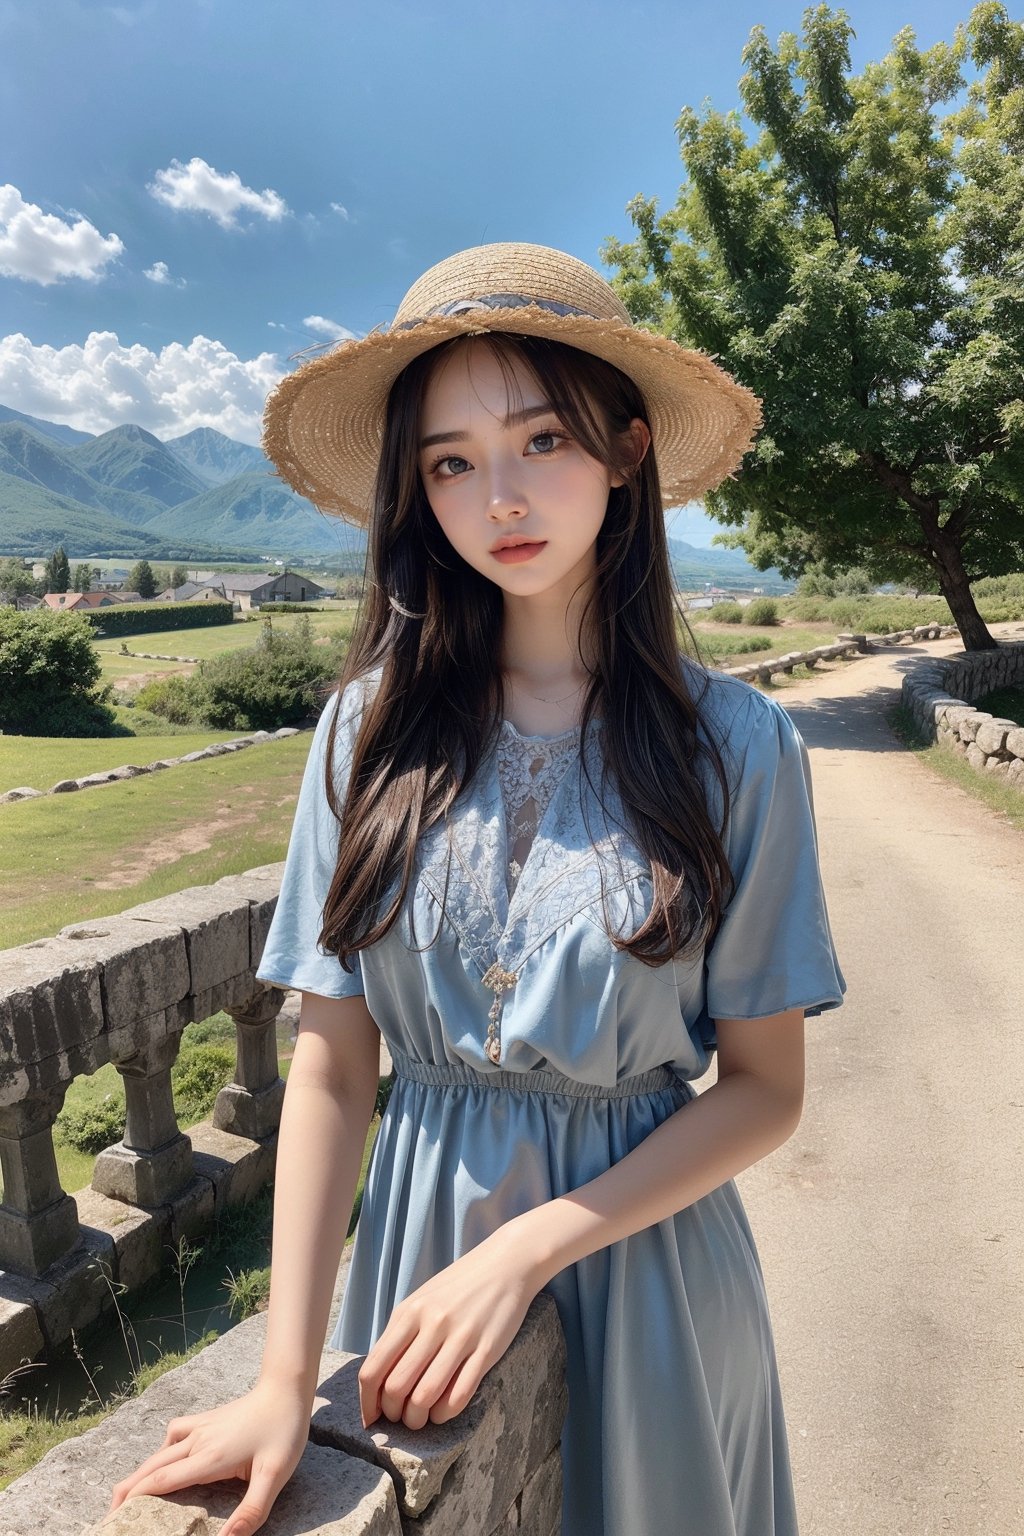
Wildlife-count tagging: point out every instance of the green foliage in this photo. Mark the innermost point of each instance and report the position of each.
(49, 676)
(57, 576)
(818, 581)
(248, 1292)
(83, 578)
(732, 645)
(859, 264)
(16, 580)
(762, 611)
(726, 613)
(91, 1127)
(142, 580)
(197, 1077)
(178, 576)
(275, 682)
(142, 618)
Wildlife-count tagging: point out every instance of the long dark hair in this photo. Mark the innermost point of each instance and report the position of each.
(432, 623)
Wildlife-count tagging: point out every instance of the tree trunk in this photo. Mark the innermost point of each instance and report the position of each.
(956, 589)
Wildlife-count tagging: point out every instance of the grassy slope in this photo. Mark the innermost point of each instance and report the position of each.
(69, 857)
(41, 760)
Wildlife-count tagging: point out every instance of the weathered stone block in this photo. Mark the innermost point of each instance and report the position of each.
(970, 727)
(991, 737)
(215, 926)
(21, 1337)
(236, 1167)
(144, 967)
(191, 1210)
(243, 1112)
(328, 1494)
(22, 792)
(1015, 741)
(51, 1017)
(996, 768)
(138, 1236)
(483, 1457)
(70, 1293)
(149, 1177)
(260, 887)
(975, 756)
(1015, 773)
(64, 787)
(540, 1505)
(30, 1241)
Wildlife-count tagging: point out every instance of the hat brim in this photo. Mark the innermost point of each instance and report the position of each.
(323, 423)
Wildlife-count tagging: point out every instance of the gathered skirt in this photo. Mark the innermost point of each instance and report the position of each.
(675, 1421)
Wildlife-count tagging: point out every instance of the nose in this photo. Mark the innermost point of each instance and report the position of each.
(505, 498)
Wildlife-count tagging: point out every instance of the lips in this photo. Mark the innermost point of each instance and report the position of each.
(513, 552)
(513, 543)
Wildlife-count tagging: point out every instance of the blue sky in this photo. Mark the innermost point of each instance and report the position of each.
(195, 190)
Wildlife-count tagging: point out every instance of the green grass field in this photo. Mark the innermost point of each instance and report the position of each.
(212, 640)
(70, 857)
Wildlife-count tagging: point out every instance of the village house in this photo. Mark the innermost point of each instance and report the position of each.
(253, 591)
(194, 592)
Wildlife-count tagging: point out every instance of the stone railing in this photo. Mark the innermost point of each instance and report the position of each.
(121, 989)
(764, 669)
(940, 697)
(495, 1470)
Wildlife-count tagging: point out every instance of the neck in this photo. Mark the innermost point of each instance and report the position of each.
(544, 658)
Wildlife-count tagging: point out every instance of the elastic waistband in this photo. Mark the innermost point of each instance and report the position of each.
(450, 1073)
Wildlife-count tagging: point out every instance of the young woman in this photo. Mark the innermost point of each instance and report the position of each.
(558, 865)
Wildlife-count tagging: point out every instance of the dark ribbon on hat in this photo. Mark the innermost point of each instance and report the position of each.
(494, 301)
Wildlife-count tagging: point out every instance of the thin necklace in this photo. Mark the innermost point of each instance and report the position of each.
(562, 700)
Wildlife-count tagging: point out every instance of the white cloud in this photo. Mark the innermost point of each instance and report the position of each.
(159, 272)
(198, 188)
(329, 328)
(42, 248)
(105, 384)
(342, 212)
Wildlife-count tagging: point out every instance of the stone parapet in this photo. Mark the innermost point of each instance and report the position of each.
(122, 989)
(492, 1471)
(940, 695)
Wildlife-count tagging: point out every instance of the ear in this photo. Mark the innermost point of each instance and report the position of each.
(640, 432)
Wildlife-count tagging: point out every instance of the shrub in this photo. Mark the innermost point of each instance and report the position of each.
(171, 697)
(763, 610)
(49, 677)
(726, 613)
(200, 1072)
(139, 618)
(93, 1126)
(197, 1077)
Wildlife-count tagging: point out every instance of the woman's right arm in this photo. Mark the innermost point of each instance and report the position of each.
(260, 1437)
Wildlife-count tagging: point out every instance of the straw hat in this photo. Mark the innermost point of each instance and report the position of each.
(323, 423)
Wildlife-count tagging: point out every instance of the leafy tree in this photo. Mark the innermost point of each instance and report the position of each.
(178, 577)
(83, 578)
(57, 575)
(16, 581)
(860, 265)
(142, 580)
(49, 677)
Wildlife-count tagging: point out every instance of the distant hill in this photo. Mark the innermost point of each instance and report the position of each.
(216, 458)
(203, 496)
(52, 429)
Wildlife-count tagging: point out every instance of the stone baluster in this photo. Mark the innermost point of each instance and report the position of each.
(153, 1161)
(38, 1221)
(251, 1105)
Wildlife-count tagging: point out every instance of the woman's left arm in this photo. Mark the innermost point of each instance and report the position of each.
(441, 1341)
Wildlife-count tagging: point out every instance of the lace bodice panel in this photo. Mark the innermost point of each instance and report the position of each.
(530, 769)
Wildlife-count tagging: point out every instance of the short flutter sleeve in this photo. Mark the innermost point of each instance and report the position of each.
(292, 956)
(773, 949)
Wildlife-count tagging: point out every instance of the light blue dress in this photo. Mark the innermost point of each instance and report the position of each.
(675, 1419)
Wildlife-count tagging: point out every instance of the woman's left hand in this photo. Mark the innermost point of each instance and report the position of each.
(442, 1340)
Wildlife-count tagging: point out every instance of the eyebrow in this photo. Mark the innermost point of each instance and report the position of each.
(513, 419)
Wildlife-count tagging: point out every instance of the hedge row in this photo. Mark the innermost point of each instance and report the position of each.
(140, 618)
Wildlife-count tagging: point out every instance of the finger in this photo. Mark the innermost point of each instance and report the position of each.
(408, 1371)
(397, 1336)
(434, 1381)
(185, 1473)
(458, 1394)
(264, 1487)
(160, 1458)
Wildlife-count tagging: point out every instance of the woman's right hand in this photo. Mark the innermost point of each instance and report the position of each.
(259, 1437)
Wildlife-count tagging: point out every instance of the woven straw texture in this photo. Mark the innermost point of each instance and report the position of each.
(323, 423)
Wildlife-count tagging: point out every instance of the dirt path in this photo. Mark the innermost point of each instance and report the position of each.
(891, 1226)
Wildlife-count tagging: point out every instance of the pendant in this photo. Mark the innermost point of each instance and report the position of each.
(499, 980)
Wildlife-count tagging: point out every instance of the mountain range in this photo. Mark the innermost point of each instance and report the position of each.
(200, 496)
